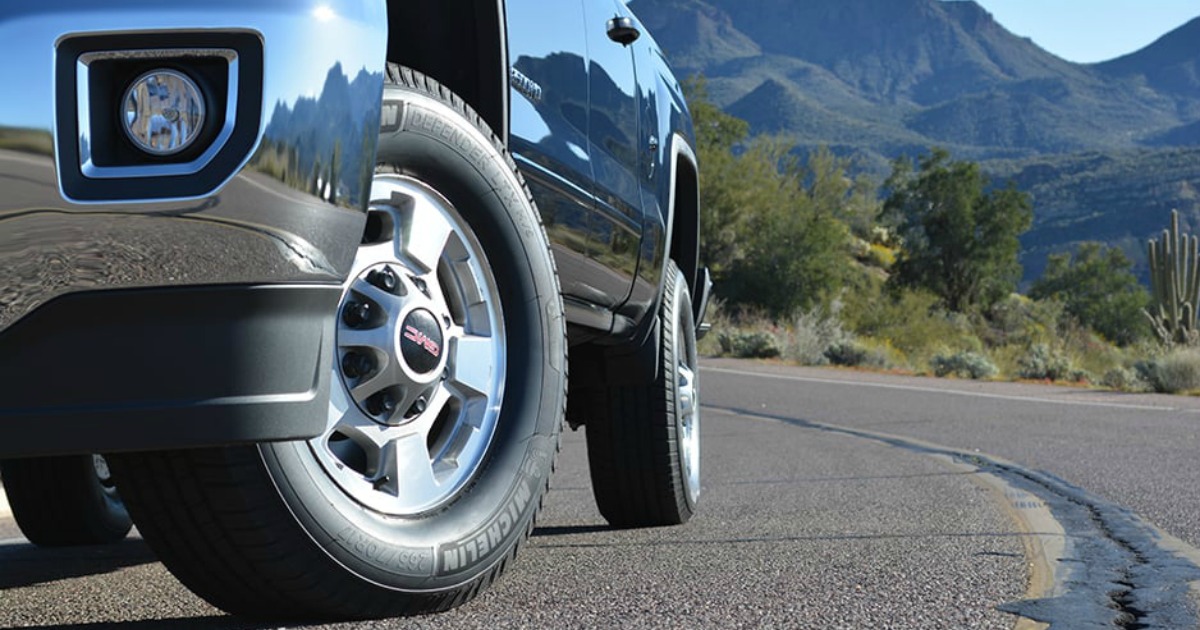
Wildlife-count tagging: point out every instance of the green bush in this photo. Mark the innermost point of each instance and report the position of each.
(847, 353)
(1019, 320)
(1125, 379)
(813, 333)
(1044, 363)
(913, 323)
(1097, 287)
(1178, 371)
(963, 365)
(754, 344)
(852, 353)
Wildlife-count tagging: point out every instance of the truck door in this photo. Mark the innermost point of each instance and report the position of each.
(615, 146)
(548, 136)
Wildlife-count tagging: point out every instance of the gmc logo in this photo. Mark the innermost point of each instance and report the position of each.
(423, 340)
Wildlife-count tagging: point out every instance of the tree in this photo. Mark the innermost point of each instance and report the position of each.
(1096, 286)
(722, 212)
(852, 201)
(795, 252)
(960, 239)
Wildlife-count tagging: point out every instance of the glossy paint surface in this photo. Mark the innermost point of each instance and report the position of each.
(593, 126)
(290, 211)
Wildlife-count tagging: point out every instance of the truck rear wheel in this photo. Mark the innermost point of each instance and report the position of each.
(644, 441)
(448, 396)
(65, 501)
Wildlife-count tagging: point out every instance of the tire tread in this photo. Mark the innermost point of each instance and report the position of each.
(633, 447)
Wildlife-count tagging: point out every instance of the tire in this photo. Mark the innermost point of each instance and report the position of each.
(644, 445)
(65, 501)
(449, 392)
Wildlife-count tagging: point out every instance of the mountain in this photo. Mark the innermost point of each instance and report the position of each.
(875, 79)
(878, 75)
(1169, 66)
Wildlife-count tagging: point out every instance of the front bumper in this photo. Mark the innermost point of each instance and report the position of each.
(154, 369)
(289, 211)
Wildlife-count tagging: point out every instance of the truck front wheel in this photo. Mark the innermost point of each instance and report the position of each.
(447, 400)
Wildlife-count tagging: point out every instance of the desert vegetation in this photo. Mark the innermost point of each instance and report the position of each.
(920, 273)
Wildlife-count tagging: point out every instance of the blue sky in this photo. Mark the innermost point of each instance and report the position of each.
(1092, 30)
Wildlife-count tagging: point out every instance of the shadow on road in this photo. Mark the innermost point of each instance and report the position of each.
(756, 540)
(189, 623)
(568, 530)
(27, 565)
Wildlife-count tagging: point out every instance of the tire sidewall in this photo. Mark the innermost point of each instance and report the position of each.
(461, 540)
(678, 321)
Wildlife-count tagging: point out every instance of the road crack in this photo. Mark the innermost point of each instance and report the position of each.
(1116, 570)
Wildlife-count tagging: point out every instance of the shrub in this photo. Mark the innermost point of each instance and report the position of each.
(1043, 363)
(721, 320)
(963, 365)
(1125, 379)
(1147, 371)
(881, 256)
(847, 353)
(1019, 320)
(1179, 371)
(852, 353)
(913, 323)
(816, 331)
(749, 344)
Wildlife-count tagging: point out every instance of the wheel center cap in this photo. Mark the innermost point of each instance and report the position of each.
(421, 341)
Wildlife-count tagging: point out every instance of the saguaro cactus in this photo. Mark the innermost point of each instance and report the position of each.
(1174, 284)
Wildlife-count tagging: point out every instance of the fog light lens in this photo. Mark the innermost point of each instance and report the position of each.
(164, 112)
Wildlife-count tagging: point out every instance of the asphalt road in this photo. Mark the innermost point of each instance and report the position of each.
(831, 499)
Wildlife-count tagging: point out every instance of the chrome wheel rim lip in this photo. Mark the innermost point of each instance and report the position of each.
(687, 396)
(420, 454)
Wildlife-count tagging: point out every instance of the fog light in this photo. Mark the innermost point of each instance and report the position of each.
(164, 112)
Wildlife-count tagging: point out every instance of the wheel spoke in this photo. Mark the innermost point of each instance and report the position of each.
(425, 235)
(687, 391)
(389, 302)
(370, 435)
(382, 379)
(407, 471)
(473, 365)
(380, 338)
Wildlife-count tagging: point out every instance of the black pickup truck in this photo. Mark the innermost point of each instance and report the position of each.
(293, 286)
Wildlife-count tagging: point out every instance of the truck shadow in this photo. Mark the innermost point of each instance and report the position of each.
(25, 564)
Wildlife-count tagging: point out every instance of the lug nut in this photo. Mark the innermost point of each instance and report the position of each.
(381, 482)
(356, 364)
(385, 279)
(356, 314)
(446, 321)
(422, 286)
(417, 408)
(381, 404)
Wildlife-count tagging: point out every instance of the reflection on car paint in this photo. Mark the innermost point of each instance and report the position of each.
(314, 159)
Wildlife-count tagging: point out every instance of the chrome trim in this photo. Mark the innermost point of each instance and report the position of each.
(155, 170)
(526, 86)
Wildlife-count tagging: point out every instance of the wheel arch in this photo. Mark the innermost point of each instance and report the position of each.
(683, 221)
(475, 68)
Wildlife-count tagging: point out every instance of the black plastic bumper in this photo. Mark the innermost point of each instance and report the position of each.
(167, 368)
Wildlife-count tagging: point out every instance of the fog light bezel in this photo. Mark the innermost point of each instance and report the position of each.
(96, 163)
(91, 125)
